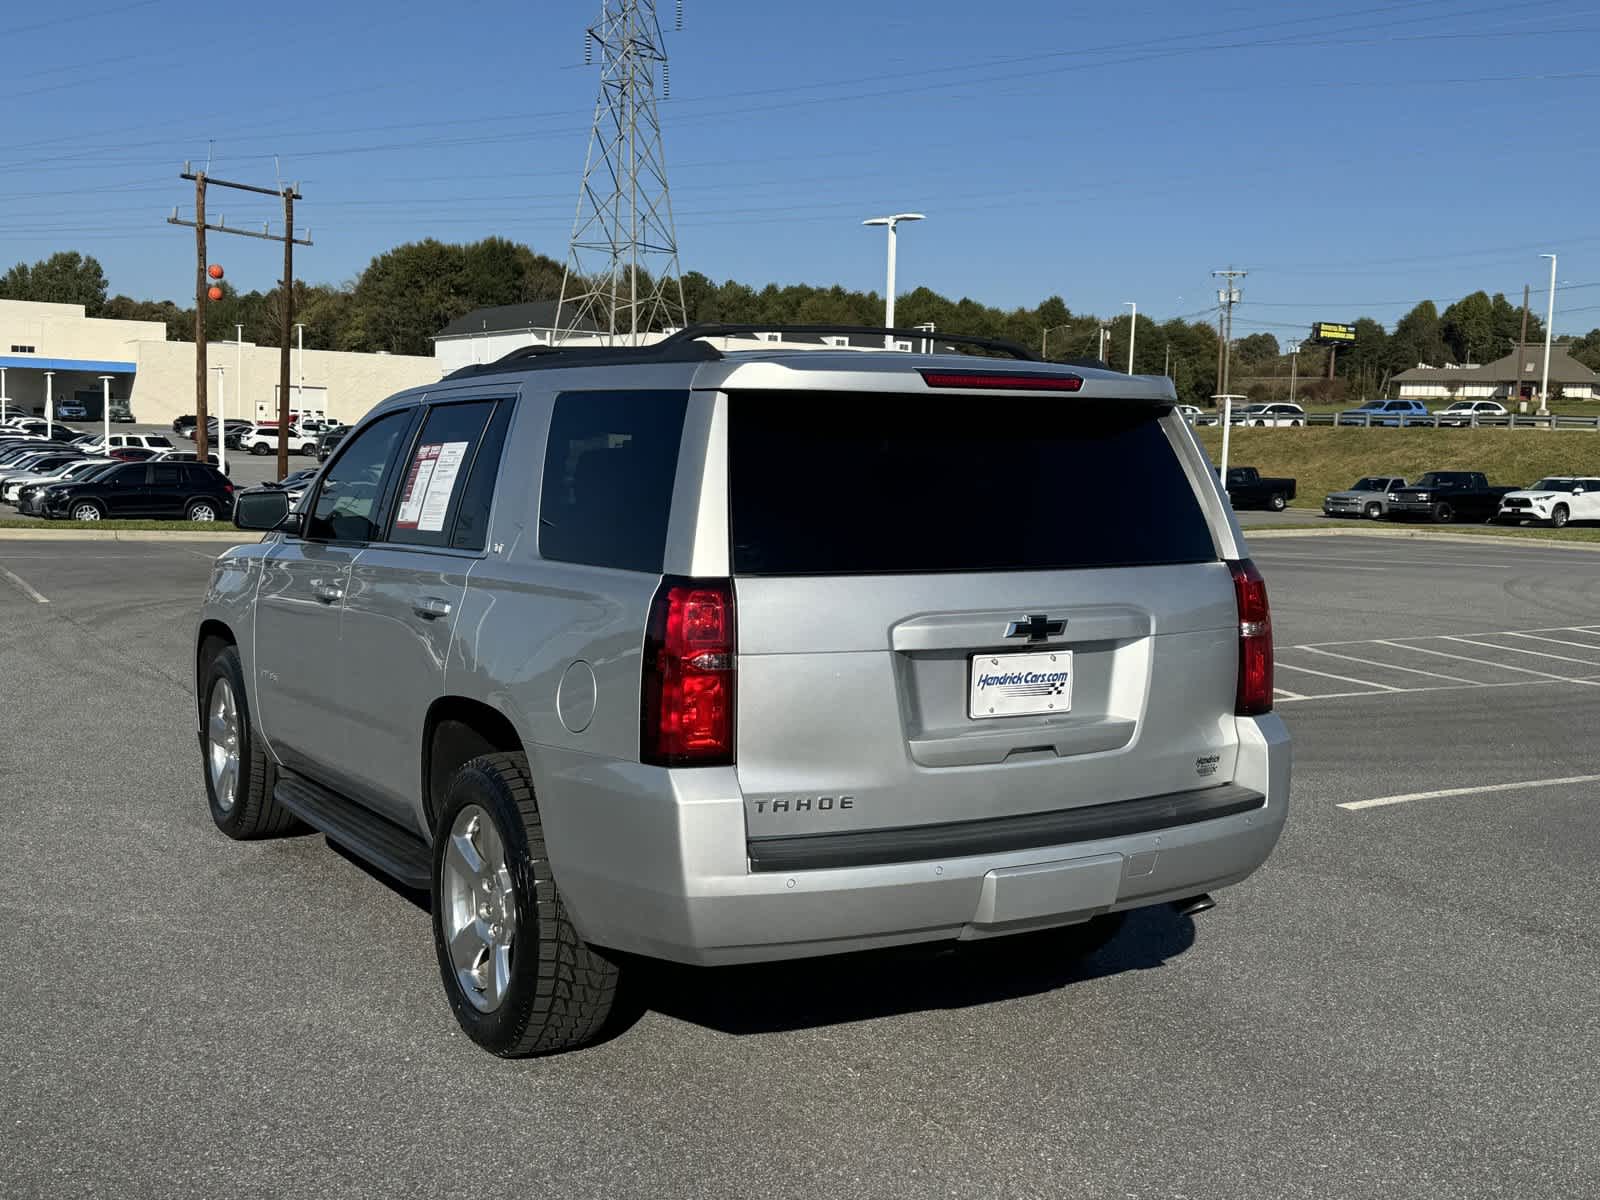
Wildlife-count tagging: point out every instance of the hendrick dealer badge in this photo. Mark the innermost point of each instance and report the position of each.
(1020, 685)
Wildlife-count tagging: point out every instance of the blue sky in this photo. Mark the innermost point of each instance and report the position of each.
(1355, 156)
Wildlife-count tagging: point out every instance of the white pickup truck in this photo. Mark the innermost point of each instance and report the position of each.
(263, 439)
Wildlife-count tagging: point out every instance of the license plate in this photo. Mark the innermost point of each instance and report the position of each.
(1020, 685)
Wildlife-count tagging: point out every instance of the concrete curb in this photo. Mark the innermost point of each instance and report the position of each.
(68, 534)
(1253, 533)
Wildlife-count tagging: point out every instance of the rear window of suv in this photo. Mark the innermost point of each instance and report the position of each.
(846, 484)
(609, 470)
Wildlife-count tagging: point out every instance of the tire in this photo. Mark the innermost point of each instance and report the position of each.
(241, 806)
(1276, 502)
(259, 448)
(544, 990)
(1373, 511)
(1443, 514)
(201, 510)
(1559, 516)
(86, 510)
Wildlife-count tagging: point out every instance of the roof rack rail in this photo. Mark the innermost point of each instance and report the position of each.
(716, 329)
(689, 345)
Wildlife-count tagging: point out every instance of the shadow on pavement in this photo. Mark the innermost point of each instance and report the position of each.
(812, 992)
(835, 990)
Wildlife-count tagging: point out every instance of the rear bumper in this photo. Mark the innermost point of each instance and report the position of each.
(656, 862)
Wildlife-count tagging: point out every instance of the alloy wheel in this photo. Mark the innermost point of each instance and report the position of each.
(480, 908)
(222, 744)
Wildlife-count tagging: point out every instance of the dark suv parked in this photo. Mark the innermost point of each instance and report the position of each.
(182, 491)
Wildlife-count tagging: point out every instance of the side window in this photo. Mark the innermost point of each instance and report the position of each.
(472, 520)
(164, 475)
(348, 502)
(609, 468)
(441, 460)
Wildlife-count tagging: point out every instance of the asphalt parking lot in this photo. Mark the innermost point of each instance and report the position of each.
(1404, 1002)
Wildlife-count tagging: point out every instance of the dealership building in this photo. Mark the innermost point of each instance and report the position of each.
(1502, 379)
(57, 352)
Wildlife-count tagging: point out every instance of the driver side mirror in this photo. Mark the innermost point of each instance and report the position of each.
(264, 511)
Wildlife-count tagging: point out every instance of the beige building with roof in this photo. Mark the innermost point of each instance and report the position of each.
(1499, 380)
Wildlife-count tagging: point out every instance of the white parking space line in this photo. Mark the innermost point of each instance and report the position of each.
(1587, 662)
(1482, 662)
(1285, 694)
(1372, 662)
(1381, 687)
(1445, 687)
(1533, 637)
(26, 588)
(1595, 629)
(1481, 790)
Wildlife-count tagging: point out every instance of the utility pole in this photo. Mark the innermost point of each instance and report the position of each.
(1294, 366)
(288, 193)
(201, 433)
(1227, 297)
(1522, 342)
(624, 222)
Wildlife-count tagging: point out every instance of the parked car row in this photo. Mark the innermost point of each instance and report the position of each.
(83, 480)
(304, 436)
(1446, 496)
(1390, 413)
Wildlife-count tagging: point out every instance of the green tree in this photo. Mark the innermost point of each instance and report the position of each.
(1468, 329)
(1254, 349)
(1586, 349)
(1418, 338)
(66, 277)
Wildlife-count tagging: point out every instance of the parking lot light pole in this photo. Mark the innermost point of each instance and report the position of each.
(1133, 328)
(222, 419)
(893, 224)
(105, 411)
(3, 396)
(300, 350)
(1294, 366)
(49, 404)
(1227, 427)
(1549, 320)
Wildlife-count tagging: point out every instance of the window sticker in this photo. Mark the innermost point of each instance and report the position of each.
(421, 474)
(441, 485)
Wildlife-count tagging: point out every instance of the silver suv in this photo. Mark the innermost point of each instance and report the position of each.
(723, 656)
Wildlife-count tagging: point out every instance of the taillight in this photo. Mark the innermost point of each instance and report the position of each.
(1006, 381)
(1255, 640)
(686, 709)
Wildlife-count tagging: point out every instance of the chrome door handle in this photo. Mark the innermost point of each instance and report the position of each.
(430, 608)
(328, 593)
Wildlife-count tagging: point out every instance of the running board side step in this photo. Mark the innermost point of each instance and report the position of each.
(368, 836)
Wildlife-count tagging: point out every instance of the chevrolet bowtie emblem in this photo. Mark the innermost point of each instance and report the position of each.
(1036, 628)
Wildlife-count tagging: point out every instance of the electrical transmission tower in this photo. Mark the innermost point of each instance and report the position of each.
(622, 267)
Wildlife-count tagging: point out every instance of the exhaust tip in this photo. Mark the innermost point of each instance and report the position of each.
(1194, 904)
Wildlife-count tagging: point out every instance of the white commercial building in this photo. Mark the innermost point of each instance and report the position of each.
(58, 351)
